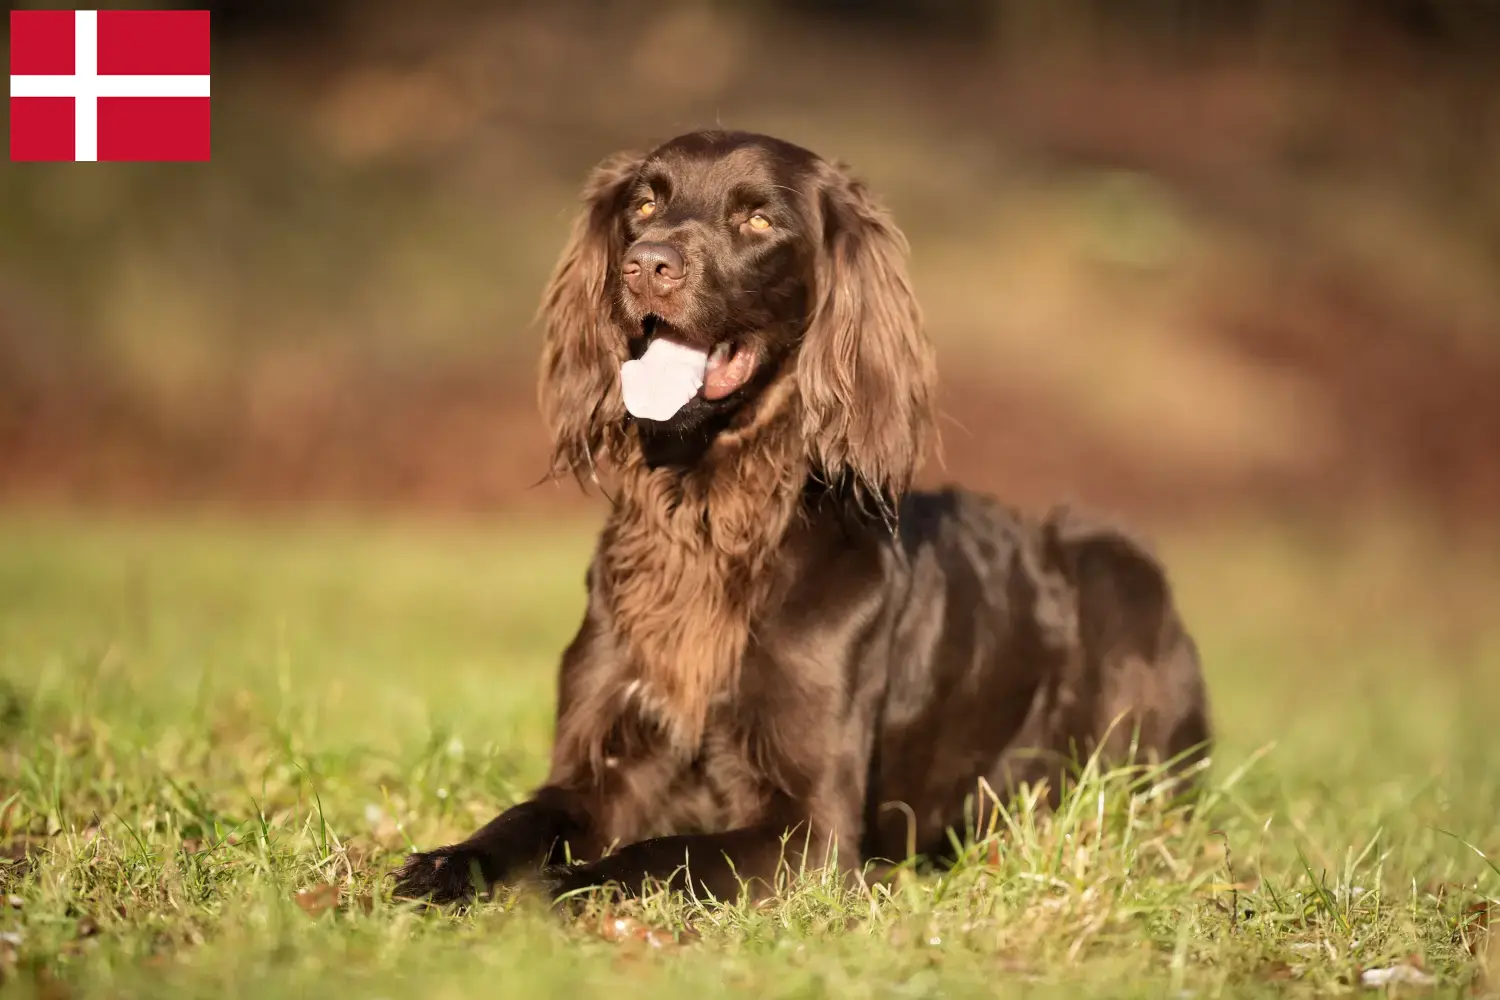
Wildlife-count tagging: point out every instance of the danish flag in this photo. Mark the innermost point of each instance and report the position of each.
(109, 85)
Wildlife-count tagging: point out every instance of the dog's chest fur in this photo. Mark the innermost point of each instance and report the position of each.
(685, 565)
(650, 788)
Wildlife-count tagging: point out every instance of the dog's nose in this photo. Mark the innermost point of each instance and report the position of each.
(654, 267)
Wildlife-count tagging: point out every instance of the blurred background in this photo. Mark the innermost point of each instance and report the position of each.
(1183, 261)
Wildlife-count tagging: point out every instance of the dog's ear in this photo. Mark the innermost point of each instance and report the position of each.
(865, 372)
(579, 388)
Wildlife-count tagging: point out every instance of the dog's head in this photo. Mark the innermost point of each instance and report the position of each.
(776, 278)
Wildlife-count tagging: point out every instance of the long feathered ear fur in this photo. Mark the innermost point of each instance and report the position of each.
(866, 371)
(579, 388)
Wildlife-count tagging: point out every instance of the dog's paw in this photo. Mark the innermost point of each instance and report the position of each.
(567, 885)
(554, 881)
(446, 875)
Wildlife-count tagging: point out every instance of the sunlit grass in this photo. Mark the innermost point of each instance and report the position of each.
(205, 727)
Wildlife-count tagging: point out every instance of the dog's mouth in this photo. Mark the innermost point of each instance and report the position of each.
(730, 365)
(727, 366)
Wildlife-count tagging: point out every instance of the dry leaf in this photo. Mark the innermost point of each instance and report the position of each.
(49, 987)
(1277, 971)
(1490, 964)
(628, 930)
(318, 899)
(1472, 929)
(621, 929)
(658, 938)
(1404, 974)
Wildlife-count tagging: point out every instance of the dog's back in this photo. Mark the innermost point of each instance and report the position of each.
(1021, 647)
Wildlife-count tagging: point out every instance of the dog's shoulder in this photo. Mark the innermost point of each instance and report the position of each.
(956, 514)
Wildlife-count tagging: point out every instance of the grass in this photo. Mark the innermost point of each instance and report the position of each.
(216, 738)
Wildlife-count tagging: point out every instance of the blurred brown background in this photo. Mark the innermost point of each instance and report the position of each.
(1181, 259)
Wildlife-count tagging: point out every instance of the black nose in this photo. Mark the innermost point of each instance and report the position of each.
(654, 266)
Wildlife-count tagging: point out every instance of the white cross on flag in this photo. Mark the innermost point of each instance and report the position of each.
(109, 85)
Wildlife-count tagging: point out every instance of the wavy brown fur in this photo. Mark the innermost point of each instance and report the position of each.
(682, 564)
(788, 656)
(684, 554)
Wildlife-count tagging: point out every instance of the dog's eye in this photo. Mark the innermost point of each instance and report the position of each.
(646, 208)
(759, 222)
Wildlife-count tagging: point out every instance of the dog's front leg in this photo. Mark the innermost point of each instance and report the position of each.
(519, 840)
(712, 865)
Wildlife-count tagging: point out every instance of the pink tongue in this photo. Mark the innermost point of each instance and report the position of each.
(663, 380)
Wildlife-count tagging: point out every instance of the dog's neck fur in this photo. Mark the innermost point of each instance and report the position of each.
(686, 562)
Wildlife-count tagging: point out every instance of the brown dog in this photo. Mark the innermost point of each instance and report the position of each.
(782, 637)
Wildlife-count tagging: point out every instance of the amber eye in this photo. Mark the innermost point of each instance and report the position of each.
(758, 221)
(647, 207)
